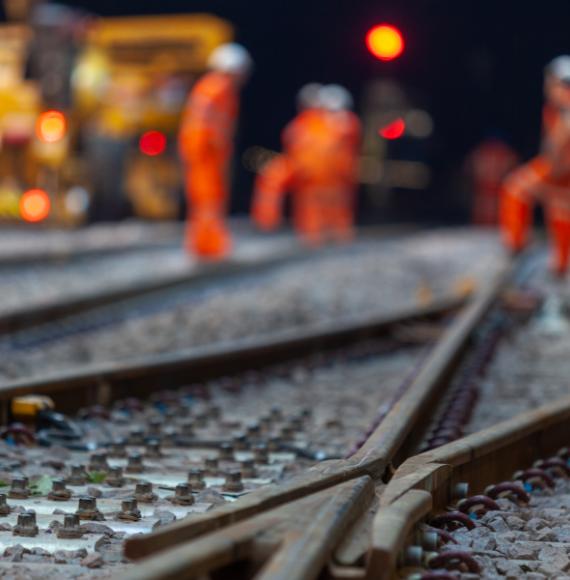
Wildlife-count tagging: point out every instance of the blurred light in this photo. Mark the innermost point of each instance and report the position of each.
(77, 200)
(51, 126)
(152, 143)
(35, 205)
(385, 42)
(394, 130)
(255, 157)
(419, 124)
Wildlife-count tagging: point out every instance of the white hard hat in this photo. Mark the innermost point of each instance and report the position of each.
(335, 98)
(231, 58)
(309, 96)
(560, 68)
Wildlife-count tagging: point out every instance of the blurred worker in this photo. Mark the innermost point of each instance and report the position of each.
(547, 176)
(487, 165)
(318, 167)
(206, 147)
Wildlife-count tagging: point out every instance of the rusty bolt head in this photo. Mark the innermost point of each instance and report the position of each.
(170, 436)
(274, 444)
(5, 509)
(233, 482)
(153, 449)
(253, 430)
(118, 448)
(155, 426)
(98, 462)
(58, 491)
(211, 464)
(135, 463)
(226, 452)
(78, 475)
(143, 492)
(129, 510)
(87, 509)
(287, 432)
(27, 525)
(248, 468)
(19, 488)
(71, 528)
(214, 412)
(196, 479)
(276, 413)
(265, 423)
(136, 436)
(115, 477)
(241, 442)
(182, 495)
(261, 454)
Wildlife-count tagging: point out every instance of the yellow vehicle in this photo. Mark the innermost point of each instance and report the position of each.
(111, 149)
(130, 85)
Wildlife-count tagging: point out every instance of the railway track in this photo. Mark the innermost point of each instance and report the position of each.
(257, 300)
(292, 494)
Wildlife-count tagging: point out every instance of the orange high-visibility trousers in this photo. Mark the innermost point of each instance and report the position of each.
(559, 231)
(207, 192)
(515, 218)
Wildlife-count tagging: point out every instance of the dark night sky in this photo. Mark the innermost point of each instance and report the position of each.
(477, 64)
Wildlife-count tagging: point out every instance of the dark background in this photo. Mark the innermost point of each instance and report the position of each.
(475, 65)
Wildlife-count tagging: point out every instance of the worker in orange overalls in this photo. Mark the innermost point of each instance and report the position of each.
(206, 146)
(318, 167)
(487, 165)
(547, 176)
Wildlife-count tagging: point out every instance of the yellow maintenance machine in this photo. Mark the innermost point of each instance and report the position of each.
(109, 149)
(129, 87)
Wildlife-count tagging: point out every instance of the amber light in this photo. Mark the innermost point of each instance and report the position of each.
(385, 42)
(152, 143)
(51, 126)
(35, 205)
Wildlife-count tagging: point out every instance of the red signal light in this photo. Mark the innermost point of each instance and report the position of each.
(51, 126)
(35, 205)
(394, 130)
(385, 42)
(152, 143)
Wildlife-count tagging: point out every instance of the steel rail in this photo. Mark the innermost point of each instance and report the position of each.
(402, 428)
(425, 483)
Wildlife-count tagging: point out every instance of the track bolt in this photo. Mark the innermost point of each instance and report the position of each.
(182, 495)
(240, 442)
(155, 427)
(226, 452)
(143, 492)
(19, 488)
(87, 509)
(170, 436)
(261, 454)
(153, 449)
(233, 482)
(98, 462)
(214, 412)
(136, 436)
(265, 424)
(274, 444)
(58, 491)
(26, 526)
(129, 510)
(78, 475)
(135, 463)
(71, 528)
(118, 449)
(196, 479)
(253, 430)
(5, 509)
(287, 432)
(211, 464)
(115, 477)
(201, 420)
(276, 414)
(248, 468)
